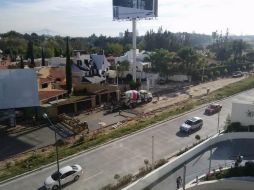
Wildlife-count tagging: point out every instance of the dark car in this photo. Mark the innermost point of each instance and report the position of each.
(213, 108)
(237, 74)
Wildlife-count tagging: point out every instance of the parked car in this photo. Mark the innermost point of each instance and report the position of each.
(66, 174)
(213, 108)
(237, 74)
(192, 124)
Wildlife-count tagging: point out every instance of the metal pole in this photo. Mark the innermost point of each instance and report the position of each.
(184, 176)
(57, 157)
(152, 152)
(218, 122)
(134, 47)
(210, 161)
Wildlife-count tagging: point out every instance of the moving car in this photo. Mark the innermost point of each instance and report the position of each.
(213, 108)
(66, 174)
(192, 124)
(237, 74)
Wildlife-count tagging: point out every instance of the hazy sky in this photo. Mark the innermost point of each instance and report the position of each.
(85, 17)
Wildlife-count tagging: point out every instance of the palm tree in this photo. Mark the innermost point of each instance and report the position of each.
(68, 68)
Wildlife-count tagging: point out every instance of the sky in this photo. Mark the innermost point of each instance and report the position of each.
(81, 18)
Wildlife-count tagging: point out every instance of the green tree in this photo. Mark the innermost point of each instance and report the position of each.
(161, 62)
(238, 46)
(122, 67)
(30, 54)
(115, 49)
(42, 57)
(68, 68)
(21, 62)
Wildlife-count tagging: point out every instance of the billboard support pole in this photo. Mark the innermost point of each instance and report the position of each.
(134, 47)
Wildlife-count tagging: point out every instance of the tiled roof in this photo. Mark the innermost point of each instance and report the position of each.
(47, 94)
(57, 72)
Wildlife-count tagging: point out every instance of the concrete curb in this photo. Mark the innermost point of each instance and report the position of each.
(117, 139)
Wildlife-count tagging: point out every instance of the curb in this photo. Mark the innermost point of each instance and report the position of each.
(117, 139)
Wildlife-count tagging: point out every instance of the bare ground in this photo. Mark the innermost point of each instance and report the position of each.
(168, 99)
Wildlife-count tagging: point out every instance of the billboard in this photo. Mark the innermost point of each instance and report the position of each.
(18, 88)
(128, 9)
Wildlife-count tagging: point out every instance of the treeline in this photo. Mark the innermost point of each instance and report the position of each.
(14, 43)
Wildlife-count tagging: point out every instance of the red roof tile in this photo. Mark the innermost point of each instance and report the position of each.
(47, 94)
(57, 73)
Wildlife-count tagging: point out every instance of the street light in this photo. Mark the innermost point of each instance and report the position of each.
(45, 116)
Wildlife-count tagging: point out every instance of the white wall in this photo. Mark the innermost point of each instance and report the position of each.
(180, 160)
(243, 113)
(179, 78)
(56, 61)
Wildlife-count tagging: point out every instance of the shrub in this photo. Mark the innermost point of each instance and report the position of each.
(225, 71)
(108, 187)
(117, 176)
(124, 180)
(61, 142)
(160, 163)
(217, 73)
(234, 127)
(142, 171)
(80, 140)
(197, 137)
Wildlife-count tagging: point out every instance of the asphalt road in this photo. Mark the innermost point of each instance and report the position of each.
(127, 154)
(223, 155)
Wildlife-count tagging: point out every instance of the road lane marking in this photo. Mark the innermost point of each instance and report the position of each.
(88, 178)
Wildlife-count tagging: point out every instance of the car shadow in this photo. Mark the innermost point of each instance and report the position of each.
(181, 134)
(42, 188)
(63, 186)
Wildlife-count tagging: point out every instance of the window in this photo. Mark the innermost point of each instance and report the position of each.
(55, 176)
(44, 85)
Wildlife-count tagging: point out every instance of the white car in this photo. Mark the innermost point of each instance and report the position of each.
(191, 124)
(66, 174)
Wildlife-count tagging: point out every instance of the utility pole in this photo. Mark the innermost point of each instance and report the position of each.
(184, 176)
(210, 161)
(218, 125)
(152, 152)
(134, 47)
(45, 116)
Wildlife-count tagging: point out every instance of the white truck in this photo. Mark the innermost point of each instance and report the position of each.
(133, 97)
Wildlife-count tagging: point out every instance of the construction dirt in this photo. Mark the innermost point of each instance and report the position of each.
(164, 99)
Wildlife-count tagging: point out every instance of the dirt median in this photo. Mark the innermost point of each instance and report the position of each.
(168, 99)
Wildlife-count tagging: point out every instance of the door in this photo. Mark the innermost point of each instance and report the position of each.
(67, 177)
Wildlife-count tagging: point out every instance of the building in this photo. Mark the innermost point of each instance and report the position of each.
(140, 62)
(90, 67)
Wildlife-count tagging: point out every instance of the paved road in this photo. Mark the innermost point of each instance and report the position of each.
(127, 155)
(222, 155)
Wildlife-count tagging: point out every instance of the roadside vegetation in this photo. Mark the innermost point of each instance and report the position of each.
(46, 155)
(240, 171)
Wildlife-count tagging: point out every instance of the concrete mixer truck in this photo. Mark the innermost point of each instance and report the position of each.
(132, 98)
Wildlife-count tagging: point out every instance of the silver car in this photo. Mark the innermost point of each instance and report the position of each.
(66, 174)
(191, 125)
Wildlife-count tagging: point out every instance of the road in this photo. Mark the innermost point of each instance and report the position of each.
(222, 155)
(127, 154)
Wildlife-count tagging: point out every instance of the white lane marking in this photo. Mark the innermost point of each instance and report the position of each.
(88, 178)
